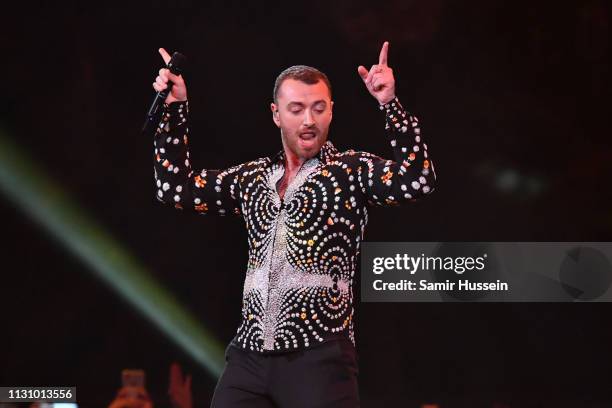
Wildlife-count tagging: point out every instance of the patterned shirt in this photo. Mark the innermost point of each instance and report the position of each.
(303, 249)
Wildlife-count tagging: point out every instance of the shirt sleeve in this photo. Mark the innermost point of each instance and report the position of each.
(411, 174)
(204, 191)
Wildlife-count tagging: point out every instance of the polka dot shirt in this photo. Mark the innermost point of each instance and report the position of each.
(303, 249)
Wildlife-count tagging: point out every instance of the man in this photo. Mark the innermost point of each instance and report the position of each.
(305, 210)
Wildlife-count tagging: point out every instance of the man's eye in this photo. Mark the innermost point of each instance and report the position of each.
(296, 110)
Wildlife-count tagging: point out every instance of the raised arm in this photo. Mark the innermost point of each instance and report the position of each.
(204, 191)
(411, 173)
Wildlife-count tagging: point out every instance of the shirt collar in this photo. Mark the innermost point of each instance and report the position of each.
(328, 150)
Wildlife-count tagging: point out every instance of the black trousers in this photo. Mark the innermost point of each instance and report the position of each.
(320, 377)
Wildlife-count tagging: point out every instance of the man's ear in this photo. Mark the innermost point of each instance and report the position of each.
(275, 117)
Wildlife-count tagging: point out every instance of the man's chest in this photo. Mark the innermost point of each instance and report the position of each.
(317, 192)
(283, 182)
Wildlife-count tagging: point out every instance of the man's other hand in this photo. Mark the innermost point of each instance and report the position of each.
(179, 89)
(379, 79)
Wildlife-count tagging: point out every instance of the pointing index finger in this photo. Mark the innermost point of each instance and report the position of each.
(382, 58)
(164, 55)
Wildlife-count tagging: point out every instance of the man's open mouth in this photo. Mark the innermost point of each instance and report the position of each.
(307, 135)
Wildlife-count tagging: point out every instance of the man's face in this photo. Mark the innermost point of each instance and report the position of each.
(303, 114)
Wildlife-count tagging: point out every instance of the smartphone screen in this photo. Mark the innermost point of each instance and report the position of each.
(133, 378)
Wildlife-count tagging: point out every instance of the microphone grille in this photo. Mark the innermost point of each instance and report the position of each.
(176, 65)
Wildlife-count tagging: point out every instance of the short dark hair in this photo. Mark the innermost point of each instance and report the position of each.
(303, 73)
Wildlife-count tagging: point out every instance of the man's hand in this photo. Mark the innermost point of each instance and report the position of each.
(179, 90)
(379, 79)
(180, 388)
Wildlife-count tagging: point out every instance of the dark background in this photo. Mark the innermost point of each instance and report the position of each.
(513, 98)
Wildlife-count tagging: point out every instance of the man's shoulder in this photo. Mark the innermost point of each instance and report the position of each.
(262, 161)
(254, 165)
(351, 155)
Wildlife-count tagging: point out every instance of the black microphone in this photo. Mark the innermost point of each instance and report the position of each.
(176, 66)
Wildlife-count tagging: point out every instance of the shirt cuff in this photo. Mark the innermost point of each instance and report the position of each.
(176, 113)
(392, 103)
(396, 117)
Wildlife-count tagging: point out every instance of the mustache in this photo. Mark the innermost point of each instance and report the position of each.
(312, 129)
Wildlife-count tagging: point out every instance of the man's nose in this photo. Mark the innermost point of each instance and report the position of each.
(308, 119)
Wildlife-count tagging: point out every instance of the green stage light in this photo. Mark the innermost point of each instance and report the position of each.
(46, 203)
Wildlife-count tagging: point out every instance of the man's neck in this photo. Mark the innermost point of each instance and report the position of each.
(293, 162)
